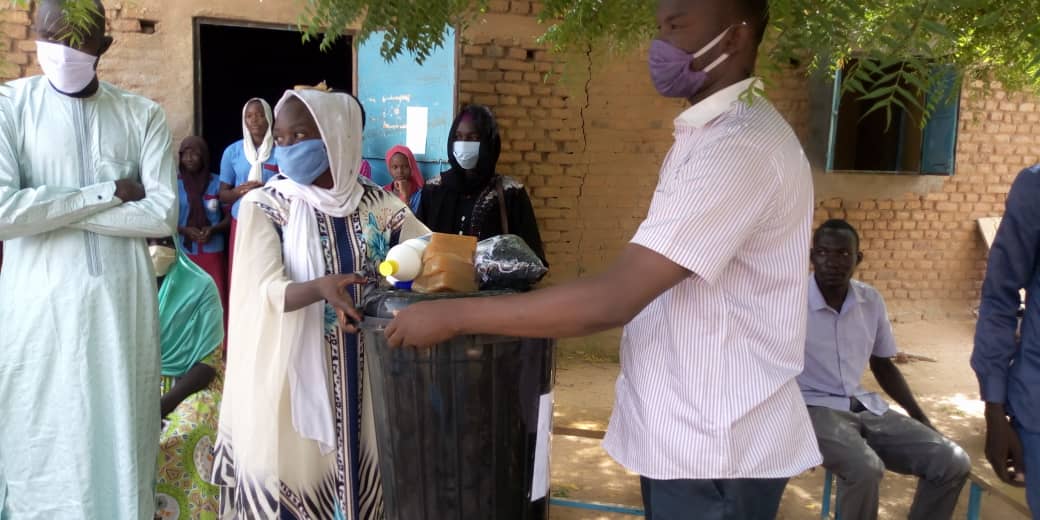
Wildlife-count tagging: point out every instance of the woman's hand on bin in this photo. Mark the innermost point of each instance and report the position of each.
(423, 324)
(333, 289)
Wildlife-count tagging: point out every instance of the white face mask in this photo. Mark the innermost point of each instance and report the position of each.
(467, 153)
(163, 258)
(68, 70)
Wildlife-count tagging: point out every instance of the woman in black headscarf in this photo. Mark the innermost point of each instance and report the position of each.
(470, 198)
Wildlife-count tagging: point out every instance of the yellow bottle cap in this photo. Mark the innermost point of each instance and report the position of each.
(389, 268)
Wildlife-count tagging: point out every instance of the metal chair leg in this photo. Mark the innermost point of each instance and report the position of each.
(975, 501)
(828, 480)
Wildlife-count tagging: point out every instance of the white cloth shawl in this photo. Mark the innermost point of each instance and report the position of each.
(257, 158)
(339, 119)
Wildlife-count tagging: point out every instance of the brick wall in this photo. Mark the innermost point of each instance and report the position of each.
(541, 132)
(586, 140)
(924, 251)
(587, 136)
(130, 63)
(591, 168)
(520, 7)
(18, 50)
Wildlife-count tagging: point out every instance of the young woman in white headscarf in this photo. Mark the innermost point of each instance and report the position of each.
(296, 436)
(248, 163)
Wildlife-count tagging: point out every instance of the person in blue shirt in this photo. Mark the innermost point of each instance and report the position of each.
(202, 223)
(248, 163)
(1008, 366)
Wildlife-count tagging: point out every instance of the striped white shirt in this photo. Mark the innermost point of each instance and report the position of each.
(707, 387)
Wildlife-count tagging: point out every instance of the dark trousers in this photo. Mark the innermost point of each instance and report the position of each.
(732, 499)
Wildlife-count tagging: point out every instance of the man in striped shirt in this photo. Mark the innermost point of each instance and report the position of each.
(711, 289)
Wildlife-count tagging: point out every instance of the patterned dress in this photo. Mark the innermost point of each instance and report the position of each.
(185, 490)
(351, 486)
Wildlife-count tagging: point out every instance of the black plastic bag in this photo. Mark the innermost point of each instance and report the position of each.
(507, 262)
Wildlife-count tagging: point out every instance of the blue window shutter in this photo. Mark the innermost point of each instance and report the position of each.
(388, 89)
(939, 143)
(835, 105)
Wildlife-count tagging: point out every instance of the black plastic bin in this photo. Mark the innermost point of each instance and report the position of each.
(458, 425)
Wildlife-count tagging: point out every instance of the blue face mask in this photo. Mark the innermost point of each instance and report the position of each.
(304, 161)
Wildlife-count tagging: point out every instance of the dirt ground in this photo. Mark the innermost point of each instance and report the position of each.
(946, 388)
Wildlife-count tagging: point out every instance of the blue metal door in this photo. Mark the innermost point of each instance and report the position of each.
(407, 104)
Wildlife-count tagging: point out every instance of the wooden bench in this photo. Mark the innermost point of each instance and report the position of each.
(590, 506)
(988, 228)
(978, 487)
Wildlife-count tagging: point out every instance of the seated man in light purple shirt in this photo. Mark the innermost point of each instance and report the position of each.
(859, 436)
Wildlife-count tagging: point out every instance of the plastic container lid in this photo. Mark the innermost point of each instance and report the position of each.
(389, 267)
(381, 303)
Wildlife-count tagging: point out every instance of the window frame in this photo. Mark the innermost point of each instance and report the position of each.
(946, 113)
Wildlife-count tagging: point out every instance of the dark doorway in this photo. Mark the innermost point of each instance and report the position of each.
(236, 62)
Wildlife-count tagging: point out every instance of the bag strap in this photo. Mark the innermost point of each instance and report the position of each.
(502, 205)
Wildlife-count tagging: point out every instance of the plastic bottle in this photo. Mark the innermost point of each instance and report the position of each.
(404, 261)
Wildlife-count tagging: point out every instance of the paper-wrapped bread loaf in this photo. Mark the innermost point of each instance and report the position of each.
(448, 265)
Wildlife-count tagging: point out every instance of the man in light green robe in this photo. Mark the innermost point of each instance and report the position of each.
(84, 178)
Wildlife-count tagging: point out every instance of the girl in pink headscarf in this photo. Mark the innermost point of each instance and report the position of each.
(407, 180)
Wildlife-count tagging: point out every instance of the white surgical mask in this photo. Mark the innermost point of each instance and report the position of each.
(163, 258)
(467, 153)
(68, 69)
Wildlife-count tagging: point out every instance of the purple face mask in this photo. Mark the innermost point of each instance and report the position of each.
(670, 68)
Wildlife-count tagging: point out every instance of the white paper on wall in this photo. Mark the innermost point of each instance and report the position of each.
(418, 127)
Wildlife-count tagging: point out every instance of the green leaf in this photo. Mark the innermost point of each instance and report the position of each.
(871, 66)
(885, 105)
(937, 28)
(881, 92)
(855, 85)
(917, 79)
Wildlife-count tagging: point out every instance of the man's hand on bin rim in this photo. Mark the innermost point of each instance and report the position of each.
(579, 308)
(423, 324)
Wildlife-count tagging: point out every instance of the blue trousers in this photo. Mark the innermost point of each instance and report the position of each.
(734, 499)
(1031, 448)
